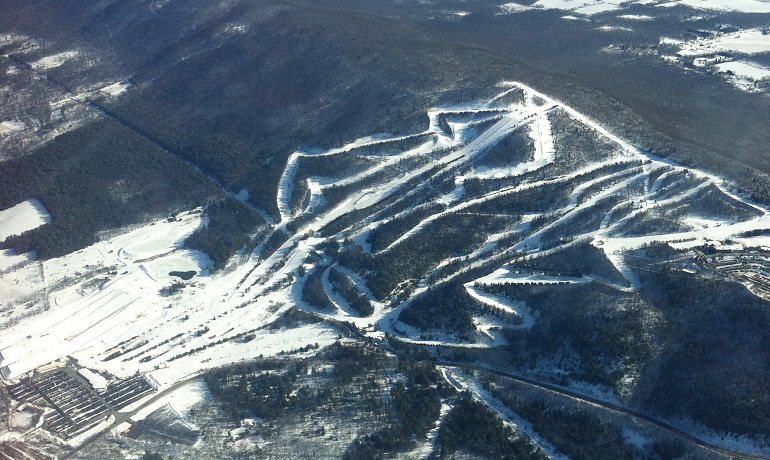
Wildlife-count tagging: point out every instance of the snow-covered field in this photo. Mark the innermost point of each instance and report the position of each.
(116, 89)
(114, 302)
(54, 60)
(592, 7)
(507, 8)
(16, 220)
(740, 6)
(26, 215)
(637, 17)
(750, 41)
(716, 51)
(9, 259)
(181, 400)
(586, 7)
(744, 73)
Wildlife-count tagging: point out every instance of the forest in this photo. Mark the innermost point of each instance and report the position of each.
(99, 177)
(489, 438)
(445, 309)
(229, 226)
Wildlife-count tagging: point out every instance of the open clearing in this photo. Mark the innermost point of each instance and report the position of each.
(24, 216)
(592, 7)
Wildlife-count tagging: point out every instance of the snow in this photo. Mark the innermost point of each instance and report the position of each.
(9, 258)
(20, 286)
(96, 380)
(11, 126)
(508, 8)
(740, 6)
(597, 8)
(98, 428)
(26, 215)
(286, 185)
(616, 257)
(565, 4)
(78, 315)
(714, 53)
(745, 70)
(456, 194)
(636, 17)
(462, 381)
(757, 446)
(182, 261)
(7, 356)
(520, 309)
(750, 41)
(670, 41)
(425, 451)
(53, 61)
(587, 7)
(23, 420)
(181, 400)
(10, 38)
(117, 89)
(615, 29)
(122, 428)
(266, 343)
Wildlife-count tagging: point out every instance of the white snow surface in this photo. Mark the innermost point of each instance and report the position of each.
(125, 309)
(116, 89)
(508, 8)
(181, 400)
(9, 258)
(517, 308)
(26, 215)
(592, 7)
(587, 7)
(615, 29)
(740, 6)
(96, 380)
(749, 41)
(745, 70)
(636, 17)
(54, 60)
(11, 126)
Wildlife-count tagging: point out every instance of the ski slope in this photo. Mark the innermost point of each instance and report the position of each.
(109, 306)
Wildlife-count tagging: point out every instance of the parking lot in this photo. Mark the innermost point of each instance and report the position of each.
(76, 405)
